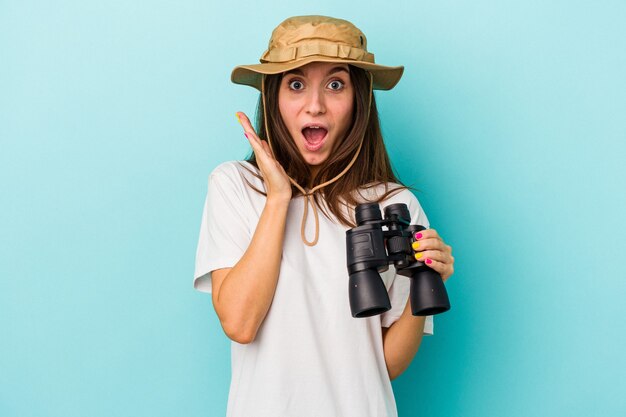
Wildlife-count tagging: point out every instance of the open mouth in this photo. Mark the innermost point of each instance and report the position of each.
(314, 137)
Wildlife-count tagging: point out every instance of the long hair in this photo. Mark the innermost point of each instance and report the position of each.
(371, 168)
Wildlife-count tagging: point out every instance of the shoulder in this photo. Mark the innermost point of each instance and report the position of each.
(233, 169)
(235, 172)
(400, 194)
(237, 178)
(393, 193)
(386, 193)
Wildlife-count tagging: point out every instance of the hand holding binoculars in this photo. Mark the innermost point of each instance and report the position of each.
(371, 249)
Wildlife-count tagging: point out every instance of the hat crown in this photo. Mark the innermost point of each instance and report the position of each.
(312, 31)
(301, 40)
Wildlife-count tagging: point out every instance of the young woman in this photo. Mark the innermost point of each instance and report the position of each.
(278, 275)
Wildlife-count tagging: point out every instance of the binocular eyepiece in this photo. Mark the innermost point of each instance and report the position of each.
(371, 249)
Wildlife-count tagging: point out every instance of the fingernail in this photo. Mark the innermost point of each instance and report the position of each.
(429, 261)
(246, 135)
(418, 235)
(238, 119)
(415, 245)
(418, 255)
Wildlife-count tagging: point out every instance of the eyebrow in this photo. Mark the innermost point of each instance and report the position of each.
(298, 71)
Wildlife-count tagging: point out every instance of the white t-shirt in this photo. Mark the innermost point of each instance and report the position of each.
(310, 357)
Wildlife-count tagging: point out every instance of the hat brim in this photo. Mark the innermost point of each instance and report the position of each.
(384, 78)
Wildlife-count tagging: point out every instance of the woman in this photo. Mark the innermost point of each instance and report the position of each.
(278, 277)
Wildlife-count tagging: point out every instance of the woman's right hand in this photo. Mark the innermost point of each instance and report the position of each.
(277, 181)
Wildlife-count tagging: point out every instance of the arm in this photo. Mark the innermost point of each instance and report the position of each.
(403, 338)
(242, 295)
(401, 341)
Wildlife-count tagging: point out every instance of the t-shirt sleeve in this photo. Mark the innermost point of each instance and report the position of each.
(224, 231)
(400, 286)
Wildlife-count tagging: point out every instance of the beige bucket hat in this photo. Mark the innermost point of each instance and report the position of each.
(300, 40)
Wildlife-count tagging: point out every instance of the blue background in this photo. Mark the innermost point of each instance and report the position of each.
(509, 119)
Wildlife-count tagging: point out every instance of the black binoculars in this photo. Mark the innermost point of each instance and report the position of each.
(371, 249)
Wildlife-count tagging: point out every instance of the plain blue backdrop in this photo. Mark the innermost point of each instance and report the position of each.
(509, 120)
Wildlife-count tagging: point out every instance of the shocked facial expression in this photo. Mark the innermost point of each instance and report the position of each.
(316, 102)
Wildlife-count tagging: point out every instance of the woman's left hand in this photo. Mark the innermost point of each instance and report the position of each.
(432, 250)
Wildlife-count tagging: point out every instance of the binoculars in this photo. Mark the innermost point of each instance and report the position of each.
(371, 249)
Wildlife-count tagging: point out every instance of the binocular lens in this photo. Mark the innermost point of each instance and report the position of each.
(366, 213)
(428, 294)
(400, 211)
(368, 295)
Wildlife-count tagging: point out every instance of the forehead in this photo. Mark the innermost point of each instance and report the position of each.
(320, 68)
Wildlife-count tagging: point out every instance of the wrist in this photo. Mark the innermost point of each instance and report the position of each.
(278, 200)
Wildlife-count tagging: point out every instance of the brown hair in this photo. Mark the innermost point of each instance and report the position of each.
(371, 168)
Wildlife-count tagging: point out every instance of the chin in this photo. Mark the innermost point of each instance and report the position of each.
(315, 160)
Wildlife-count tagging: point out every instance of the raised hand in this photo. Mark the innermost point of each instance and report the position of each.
(432, 250)
(277, 181)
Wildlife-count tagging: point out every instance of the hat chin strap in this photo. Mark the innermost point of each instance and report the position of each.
(309, 194)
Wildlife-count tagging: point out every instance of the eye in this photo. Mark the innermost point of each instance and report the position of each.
(336, 85)
(296, 85)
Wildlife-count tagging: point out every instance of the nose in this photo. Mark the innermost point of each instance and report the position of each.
(315, 102)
